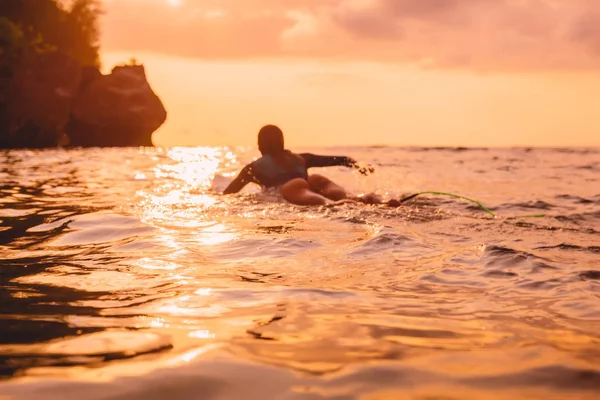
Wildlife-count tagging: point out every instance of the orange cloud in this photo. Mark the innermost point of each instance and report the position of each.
(476, 34)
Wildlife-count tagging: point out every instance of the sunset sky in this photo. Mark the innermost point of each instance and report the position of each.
(354, 72)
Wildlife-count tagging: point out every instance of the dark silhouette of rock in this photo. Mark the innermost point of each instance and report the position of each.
(89, 74)
(119, 109)
(48, 99)
(36, 98)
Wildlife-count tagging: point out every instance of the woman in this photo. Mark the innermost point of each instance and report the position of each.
(281, 168)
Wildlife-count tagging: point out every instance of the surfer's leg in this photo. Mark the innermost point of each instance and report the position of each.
(297, 191)
(326, 187)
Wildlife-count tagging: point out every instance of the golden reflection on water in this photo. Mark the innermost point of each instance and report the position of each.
(217, 234)
(202, 334)
(194, 166)
(192, 355)
(150, 263)
(181, 192)
(431, 288)
(182, 198)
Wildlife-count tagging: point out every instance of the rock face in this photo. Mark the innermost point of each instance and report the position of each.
(47, 100)
(36, 98)
(119, 109)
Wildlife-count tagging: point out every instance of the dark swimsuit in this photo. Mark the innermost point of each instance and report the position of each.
(270, 174)
(267, 173)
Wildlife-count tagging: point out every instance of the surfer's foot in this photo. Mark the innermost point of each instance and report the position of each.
(369, 198)
(393, 203)
(342, 202)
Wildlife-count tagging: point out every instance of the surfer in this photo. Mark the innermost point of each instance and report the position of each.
(280, 168)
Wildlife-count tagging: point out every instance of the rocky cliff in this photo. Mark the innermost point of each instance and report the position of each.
(48, 100)
(36, 99)
(119, 109)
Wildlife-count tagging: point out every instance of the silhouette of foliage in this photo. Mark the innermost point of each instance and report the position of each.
(49, 25)
(11, 41)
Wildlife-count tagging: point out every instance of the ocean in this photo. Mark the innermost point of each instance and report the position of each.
(124, 274)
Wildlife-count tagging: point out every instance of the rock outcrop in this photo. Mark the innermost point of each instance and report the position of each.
(36, 99)
(48, 100)
(119, 109)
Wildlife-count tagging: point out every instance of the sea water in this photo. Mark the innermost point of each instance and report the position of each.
(126, 275)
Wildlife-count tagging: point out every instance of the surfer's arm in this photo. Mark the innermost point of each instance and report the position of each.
(316, 161)
(244, 177)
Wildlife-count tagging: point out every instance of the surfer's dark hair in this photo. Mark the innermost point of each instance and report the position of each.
(270, 140)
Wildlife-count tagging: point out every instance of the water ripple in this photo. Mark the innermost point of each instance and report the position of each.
(126, 275)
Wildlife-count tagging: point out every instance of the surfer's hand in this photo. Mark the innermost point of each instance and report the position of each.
(364, 169)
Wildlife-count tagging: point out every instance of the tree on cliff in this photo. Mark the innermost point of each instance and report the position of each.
(43, 44)
(51, 90)
(47, 25)
(11, 41)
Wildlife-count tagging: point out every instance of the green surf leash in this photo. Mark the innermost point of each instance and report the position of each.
(484, 208)
(478, 203)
